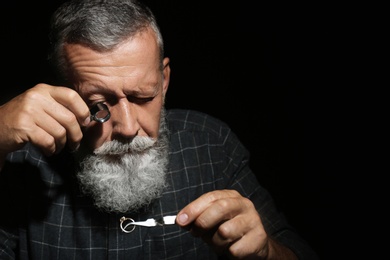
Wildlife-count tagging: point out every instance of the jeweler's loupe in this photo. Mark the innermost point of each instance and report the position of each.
(100, 113)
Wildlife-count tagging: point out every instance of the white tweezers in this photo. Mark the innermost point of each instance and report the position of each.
(125, 223)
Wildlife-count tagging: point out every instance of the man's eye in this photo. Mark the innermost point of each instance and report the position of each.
(138, 100)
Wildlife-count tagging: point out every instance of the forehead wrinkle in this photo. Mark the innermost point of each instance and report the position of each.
(128, 67)
(120, 89)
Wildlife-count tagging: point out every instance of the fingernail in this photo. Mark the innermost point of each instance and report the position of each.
(87, 121)
(182, 218)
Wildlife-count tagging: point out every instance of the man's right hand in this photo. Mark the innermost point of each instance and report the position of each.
(47, 116)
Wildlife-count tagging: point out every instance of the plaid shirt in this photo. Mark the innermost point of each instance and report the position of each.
(48, 218)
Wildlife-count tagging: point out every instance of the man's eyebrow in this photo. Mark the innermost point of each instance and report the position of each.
(91, 89)
(152, 91)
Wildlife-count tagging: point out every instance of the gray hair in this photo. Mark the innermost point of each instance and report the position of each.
(98, 24)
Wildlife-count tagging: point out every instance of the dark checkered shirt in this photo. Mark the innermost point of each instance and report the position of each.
(44, 216)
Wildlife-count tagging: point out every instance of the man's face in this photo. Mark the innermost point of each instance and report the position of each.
(128, 165)
(128, 80)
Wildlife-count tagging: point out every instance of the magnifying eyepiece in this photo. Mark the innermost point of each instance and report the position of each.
(100, 113)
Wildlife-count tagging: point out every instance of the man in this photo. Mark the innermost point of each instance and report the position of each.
(88, 165)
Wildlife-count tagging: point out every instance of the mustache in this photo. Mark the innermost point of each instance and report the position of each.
(136, 145)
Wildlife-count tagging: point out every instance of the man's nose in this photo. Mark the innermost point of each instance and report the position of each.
(124, 119)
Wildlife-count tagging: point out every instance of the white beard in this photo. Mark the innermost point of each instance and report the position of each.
(123, 177)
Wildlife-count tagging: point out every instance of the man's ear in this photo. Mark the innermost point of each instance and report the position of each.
(166, 75)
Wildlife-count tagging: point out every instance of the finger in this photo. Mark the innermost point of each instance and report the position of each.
(71, 100)
(251, 244)
(216, 213)
(235, 229)
(56, 135)
(63, 125)
(193, 210)
(218, 244)
(43, 140)
(21, 125)
(69, 109)
(43, 130)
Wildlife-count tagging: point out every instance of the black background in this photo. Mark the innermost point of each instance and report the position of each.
(244, 63)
